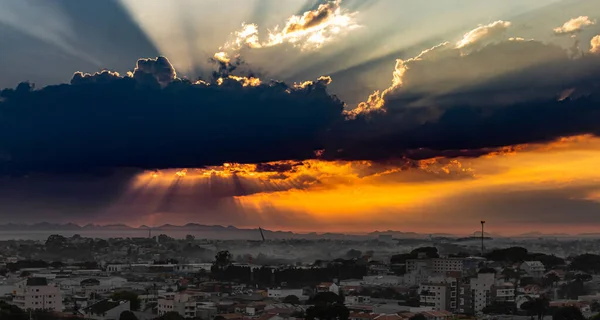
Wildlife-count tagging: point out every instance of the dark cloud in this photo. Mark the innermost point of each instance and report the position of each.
(445, 103)
(104, 120)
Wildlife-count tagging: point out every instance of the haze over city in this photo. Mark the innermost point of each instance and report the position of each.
(306, 116)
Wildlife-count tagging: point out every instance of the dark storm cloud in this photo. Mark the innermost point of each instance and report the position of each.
(104, 120)
(446, 103)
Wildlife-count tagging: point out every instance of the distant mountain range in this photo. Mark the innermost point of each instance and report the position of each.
(231, 232)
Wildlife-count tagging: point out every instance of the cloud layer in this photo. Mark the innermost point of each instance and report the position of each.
(445, 102)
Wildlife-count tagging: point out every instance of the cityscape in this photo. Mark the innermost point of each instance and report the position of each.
(299, 159)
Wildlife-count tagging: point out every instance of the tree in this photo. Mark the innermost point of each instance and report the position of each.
(171, 315)
(55, 241)
(586, 262)
(132, 297)
(219, 318)
(25, 274)
(325, 298)
(572, 290)
(189, 238)
(538, 306)
(292, 299)
(127, 315)
(353, 254)
(222, 259)
(568, 313)
(430, 252)
(418, 316)
(328, 312)
(550, 279)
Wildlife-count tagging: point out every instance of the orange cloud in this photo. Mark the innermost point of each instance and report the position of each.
(574, 25)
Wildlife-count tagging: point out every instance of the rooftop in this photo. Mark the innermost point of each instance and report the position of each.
(102, 306)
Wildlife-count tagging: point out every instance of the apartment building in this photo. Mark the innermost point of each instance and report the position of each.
(36, 293)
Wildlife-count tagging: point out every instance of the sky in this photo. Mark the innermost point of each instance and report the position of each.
(326, 116)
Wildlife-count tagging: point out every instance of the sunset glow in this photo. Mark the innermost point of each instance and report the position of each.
(334, 115)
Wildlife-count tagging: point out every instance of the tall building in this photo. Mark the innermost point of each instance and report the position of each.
(435, 265)
(37, 294)
(481, 290)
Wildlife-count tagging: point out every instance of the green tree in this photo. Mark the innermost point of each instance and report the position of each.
(189, 238)
(127, 315)
(132, 297)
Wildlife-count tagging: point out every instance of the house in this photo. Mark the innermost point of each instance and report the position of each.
(437, 315)
(282, 293)
(36, 293)
(106, 310)
(534, 269)
(328, 287)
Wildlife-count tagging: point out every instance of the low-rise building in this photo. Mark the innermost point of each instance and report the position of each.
(282, 293)
(328, 287)
(37, 294)
(534, 269)
(106, 310)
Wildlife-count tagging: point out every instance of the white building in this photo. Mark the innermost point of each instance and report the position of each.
(328, 287)
(504, 293)
(534, 269)
(36, 293)
(416, 264)
(282, 293)
(182, 303)
(416, 277)
(434, 295)
(106, 310)
(481, 288)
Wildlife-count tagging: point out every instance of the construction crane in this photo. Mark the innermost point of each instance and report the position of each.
(261, 234)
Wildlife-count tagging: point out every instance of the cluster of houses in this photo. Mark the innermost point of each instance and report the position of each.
(441, 288)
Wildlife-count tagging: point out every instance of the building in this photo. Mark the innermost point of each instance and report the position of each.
(440, 292)
(534, 269)
(465, 299)
(282, 293)
(503, 293)
(435, 265)
(383, 280)
(172, 302)
(416, 277)
(328, 287)
(37, 293)
(481, 290)
(435, 295)
(443, 265)
(106, 310)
